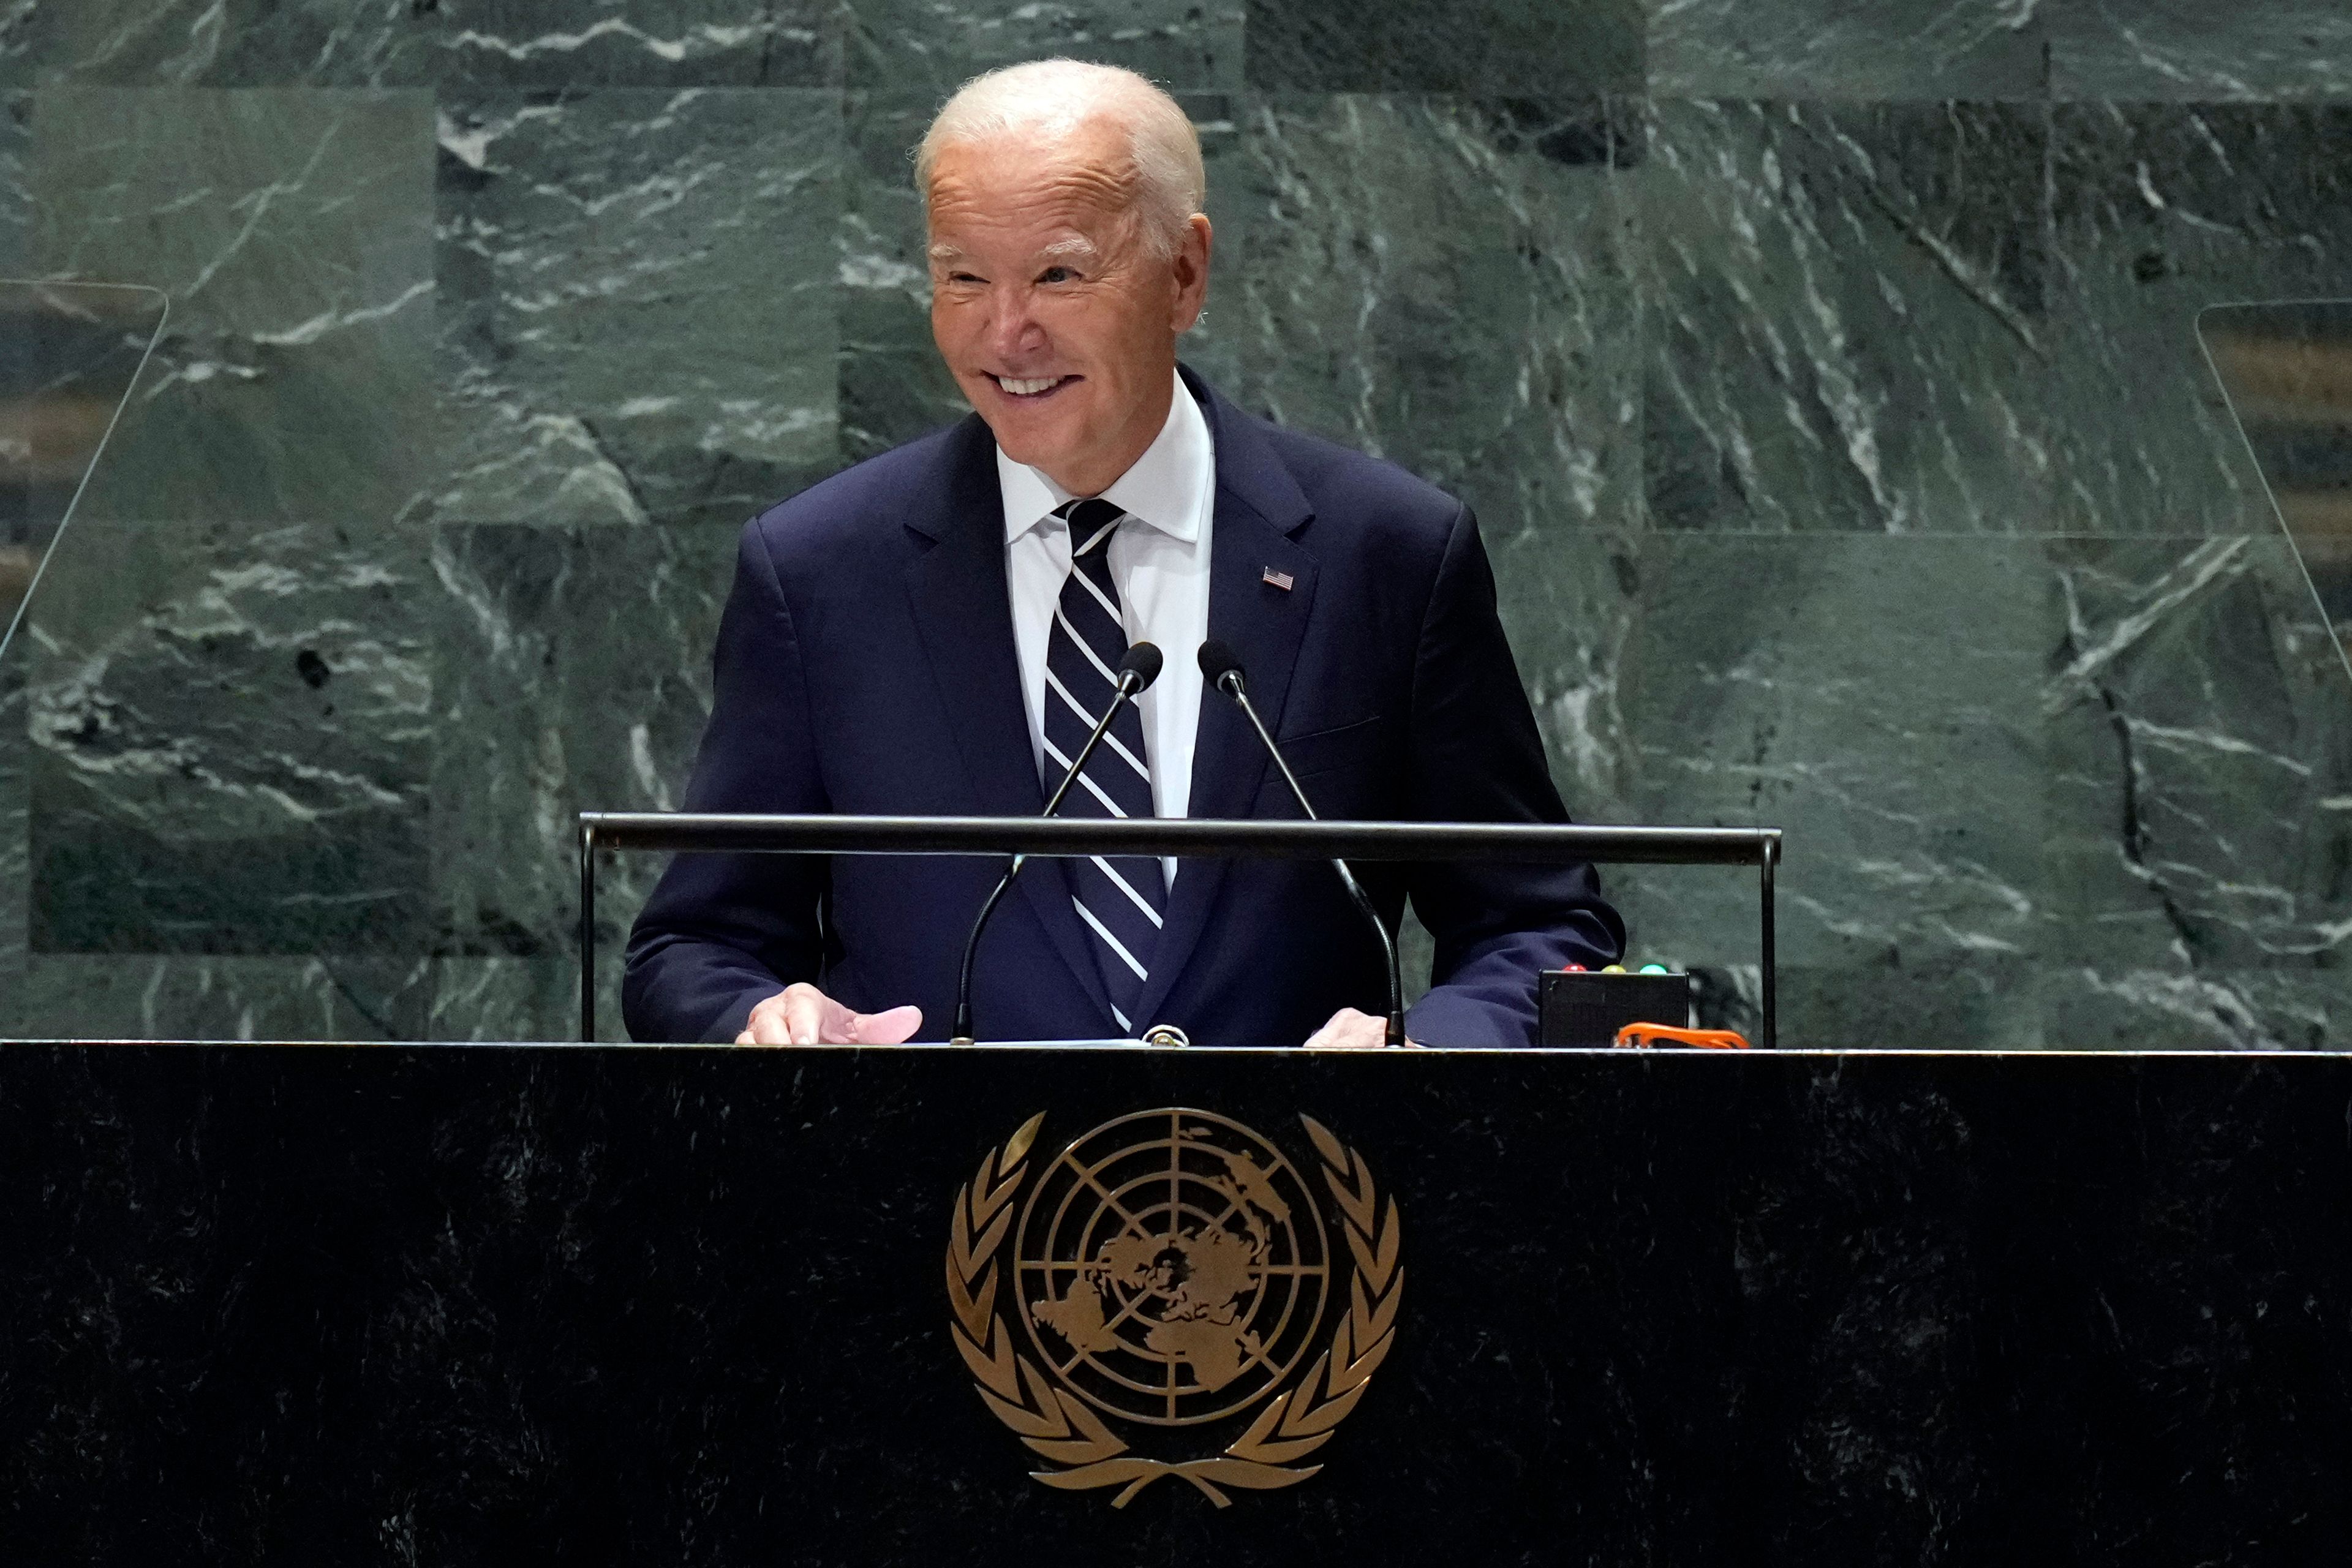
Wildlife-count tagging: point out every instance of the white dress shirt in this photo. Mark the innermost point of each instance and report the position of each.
(1160, 563)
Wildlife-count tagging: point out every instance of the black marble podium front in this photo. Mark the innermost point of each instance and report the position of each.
(513, 1305)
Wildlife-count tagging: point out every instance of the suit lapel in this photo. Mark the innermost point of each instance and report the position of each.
(963, 613)
(1258, 511)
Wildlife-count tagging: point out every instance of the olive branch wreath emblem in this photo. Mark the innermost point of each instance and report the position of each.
(1062, 1428)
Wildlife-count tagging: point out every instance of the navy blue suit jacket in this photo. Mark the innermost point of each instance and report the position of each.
(866, 664)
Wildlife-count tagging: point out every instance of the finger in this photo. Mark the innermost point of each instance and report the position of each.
(892, 1026)
(1327, 1038)
(804, 1009)
(836, 1025)
(766, 1026)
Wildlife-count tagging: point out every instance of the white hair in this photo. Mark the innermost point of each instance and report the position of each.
(1049, 97)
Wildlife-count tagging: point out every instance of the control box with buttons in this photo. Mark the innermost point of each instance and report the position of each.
(1585, 1009)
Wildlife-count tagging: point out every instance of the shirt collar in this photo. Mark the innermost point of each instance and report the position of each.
(1165, 488)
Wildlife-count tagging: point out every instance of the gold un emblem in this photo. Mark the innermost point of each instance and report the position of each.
(1168, 1272)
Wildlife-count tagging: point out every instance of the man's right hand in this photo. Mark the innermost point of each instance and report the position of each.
(804, 1016)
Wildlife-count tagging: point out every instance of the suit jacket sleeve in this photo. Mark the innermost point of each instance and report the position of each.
(1477, 756)
(721, 931)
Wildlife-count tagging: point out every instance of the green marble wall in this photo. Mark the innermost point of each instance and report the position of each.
(1823, 375)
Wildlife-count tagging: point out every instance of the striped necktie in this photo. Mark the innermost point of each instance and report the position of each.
(1121, 900)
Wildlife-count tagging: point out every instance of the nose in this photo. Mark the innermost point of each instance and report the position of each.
(1013, 330)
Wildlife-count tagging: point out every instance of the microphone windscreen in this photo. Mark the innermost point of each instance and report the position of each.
(1143, 659)
(1217, 660)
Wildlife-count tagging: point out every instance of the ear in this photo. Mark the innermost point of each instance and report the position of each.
(1190, 266)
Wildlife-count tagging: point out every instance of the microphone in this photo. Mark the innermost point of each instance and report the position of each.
(1136, 670)
(1223, 671)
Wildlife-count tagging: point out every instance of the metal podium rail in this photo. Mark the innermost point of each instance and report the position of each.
(686, 832)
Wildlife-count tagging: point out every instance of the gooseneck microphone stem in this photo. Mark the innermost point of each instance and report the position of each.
(1229, 681)
(1136, 671)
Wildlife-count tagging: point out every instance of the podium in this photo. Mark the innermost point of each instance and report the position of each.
(523, 1304)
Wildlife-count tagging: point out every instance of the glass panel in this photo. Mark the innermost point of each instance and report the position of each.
(2286, 368)
(69, 356)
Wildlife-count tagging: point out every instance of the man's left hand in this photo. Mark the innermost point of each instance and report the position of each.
(1350, 1030)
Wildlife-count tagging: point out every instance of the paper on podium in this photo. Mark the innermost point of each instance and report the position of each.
(1063, 1045)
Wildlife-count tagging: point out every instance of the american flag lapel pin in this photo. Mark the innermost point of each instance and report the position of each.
(1281, 580)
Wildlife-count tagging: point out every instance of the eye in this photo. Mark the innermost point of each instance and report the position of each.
(1055, 275)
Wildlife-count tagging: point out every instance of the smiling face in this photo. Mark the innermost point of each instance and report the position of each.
(1053, 312)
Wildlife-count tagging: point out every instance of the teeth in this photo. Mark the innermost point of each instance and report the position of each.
(1024, 388)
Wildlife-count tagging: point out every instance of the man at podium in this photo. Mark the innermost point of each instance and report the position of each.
(937, 630)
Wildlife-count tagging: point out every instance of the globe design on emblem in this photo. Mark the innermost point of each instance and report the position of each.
(1173, 1267)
